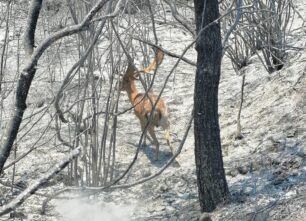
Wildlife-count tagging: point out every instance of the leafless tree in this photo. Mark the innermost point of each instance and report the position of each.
(104, 37)
(212, 185)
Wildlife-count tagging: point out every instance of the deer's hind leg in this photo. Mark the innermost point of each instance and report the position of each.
(155, 141)
(165, 124)
(168, 139)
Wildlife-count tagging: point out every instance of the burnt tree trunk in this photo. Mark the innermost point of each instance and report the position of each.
(23, 85)
(211, 180)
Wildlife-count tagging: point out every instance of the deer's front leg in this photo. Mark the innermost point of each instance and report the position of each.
(145, 136)
(143, 125)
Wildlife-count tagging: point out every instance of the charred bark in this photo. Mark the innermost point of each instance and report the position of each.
(23, 85)
(212, 185)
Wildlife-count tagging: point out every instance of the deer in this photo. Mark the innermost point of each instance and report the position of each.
(143, 104)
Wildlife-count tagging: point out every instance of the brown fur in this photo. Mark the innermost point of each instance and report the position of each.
(143, 105)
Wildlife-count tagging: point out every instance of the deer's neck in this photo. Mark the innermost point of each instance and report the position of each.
(132, 91)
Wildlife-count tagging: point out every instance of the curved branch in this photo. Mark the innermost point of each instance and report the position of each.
(71, 71)
(232, 28)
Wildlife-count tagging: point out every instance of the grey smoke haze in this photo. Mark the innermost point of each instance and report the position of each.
(82, 210)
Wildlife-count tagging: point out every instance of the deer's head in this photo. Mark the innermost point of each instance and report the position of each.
(132, 74)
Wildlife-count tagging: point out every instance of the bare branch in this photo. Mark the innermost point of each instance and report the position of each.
(72, 70)
(36, 185)
(179, 18)
(232, 28)
(171, 54)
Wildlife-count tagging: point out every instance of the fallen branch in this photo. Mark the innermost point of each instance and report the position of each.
(35, 186)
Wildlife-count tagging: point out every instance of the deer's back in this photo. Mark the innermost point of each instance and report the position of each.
(144, 107)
